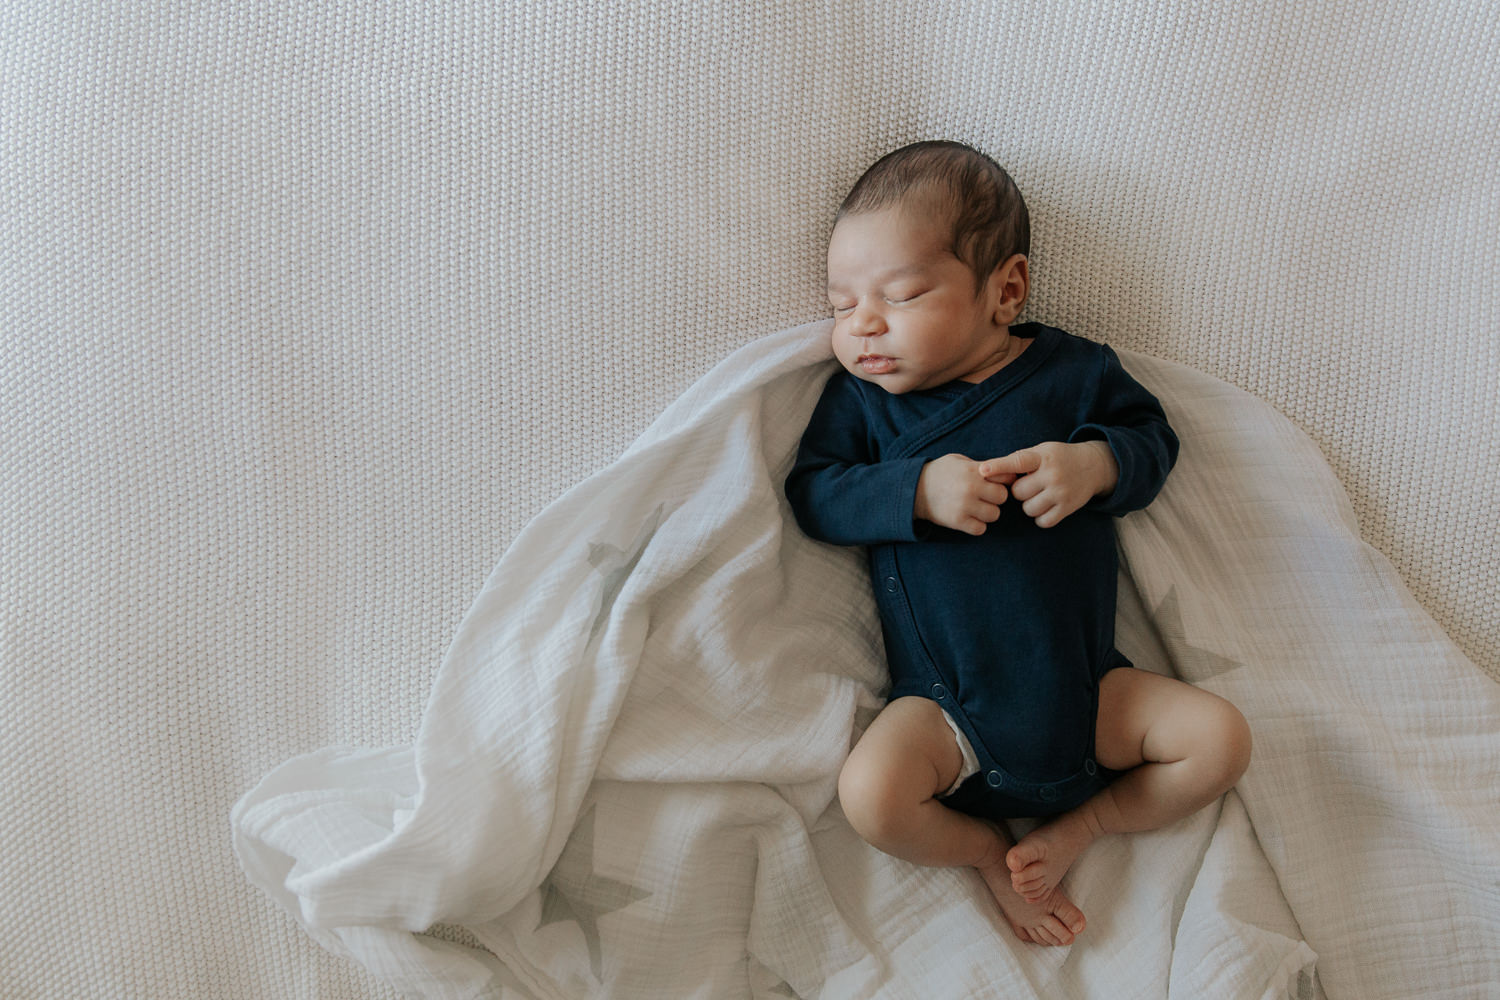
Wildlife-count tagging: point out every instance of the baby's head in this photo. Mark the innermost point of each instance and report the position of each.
(927, 267)
(959, 189)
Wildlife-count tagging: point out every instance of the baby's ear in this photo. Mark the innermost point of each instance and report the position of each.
(1010, 284)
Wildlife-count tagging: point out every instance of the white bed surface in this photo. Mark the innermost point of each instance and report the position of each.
(308, 309)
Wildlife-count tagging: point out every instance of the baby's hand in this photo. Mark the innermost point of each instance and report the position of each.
(1053, 479)
(953, 493)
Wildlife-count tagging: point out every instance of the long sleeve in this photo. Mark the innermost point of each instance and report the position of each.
(1128, 418)
(839, 491)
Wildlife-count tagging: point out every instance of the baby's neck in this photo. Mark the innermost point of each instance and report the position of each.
(1011, 348)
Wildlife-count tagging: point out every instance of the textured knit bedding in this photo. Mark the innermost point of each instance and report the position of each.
(308, 310)
(624, 782)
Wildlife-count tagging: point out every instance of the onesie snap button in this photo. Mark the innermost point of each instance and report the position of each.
(994, 779)
(890, 584)
(1048, 794)
(1089, 767)
(939, 692)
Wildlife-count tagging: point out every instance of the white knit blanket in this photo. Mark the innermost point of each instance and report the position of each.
(624, 781)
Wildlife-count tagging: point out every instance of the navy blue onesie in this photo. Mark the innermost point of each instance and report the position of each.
(1010, 631)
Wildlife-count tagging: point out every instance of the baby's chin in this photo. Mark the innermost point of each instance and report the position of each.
(895, 382)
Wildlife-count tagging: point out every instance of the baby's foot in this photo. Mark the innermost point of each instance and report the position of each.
(1051, 920)
(1038, 863)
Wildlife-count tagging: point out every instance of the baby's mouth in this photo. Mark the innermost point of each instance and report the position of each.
(875, 364)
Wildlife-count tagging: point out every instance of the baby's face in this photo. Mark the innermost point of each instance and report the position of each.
(905, 311)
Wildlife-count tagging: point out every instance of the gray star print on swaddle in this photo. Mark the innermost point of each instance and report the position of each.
(1194, 662)
(584, 900)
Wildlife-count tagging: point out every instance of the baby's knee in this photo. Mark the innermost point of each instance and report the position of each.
(1232, 736)
(871, 800)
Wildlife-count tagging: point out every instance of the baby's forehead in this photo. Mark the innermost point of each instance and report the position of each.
(917, 210)
(912, 227)
(928, 205)
(883, 246)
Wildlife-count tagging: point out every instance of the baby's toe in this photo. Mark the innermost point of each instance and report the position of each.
(1025, 853)
(1054, 932)
(1031, 885)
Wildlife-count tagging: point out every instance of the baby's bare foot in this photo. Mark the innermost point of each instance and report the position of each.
(1038, 863)
(1051, 920)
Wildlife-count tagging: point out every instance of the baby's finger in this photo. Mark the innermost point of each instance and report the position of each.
(1049, 517)
(1026, 488)
(1017, 463)
(978, 512)
(994, 493)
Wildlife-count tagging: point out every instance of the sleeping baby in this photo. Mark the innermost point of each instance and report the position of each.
(982, 464)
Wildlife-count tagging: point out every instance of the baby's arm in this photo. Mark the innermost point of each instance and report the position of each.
(839, 491)
(1114, 462)
(1125, 417)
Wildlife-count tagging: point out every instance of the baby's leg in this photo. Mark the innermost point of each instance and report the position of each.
(1185, 746)
(889, 788)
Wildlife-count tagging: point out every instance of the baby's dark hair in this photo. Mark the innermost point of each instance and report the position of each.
(986, 213)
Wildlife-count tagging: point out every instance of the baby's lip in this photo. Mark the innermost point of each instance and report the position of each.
(875, 364)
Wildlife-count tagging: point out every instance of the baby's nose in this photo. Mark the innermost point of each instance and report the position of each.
(867, 323)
